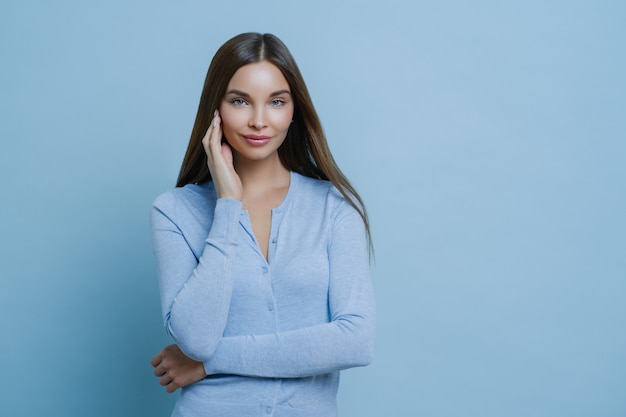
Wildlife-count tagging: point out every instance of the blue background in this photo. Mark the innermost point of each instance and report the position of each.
(488, 139)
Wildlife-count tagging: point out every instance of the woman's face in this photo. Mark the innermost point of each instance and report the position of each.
(256, 111)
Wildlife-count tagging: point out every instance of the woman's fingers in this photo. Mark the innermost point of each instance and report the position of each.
(215, 140)
(156, 360)
(159, 370)
(175, 369)
(211, 142)
(157, 363)
(220, 162)
(209, 139)
(165, 380)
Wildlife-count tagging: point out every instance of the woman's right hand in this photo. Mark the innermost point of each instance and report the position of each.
(175, 369)
(220, 161)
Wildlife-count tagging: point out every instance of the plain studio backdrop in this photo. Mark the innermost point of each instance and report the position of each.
(487, 138)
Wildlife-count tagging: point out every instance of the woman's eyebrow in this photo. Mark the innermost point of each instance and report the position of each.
(244, 94)
(278, 93)
(237, 93)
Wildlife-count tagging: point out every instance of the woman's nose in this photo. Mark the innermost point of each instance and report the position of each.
(258, 120)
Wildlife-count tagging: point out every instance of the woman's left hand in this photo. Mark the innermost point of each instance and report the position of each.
(175, 369)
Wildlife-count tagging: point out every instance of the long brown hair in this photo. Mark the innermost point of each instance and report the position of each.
(304, 150)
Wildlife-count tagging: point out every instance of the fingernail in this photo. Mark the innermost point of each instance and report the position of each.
(215, 113)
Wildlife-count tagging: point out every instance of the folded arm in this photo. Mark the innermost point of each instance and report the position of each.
(346, 341)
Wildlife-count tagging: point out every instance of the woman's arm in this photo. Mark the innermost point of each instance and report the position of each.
(346, 341)
(195, 294)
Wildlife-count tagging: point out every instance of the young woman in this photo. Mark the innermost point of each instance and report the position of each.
(262, 249)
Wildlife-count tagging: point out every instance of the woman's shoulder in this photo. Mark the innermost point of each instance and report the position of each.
(190, 195)
(319, 190)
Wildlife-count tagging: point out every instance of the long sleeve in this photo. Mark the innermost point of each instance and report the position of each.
(346, 341)
(195, 291)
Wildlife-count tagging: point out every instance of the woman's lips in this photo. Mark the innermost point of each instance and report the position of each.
(257, 140)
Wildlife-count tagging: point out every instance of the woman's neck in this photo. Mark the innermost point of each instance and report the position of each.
(259, 176)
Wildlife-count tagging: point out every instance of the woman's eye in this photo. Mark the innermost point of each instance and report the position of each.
(238, 101)
(277, 103)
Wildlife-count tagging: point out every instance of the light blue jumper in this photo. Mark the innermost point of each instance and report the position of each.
(272, 334)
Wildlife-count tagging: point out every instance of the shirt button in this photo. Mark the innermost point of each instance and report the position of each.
(270, 306)
(268, 410)
(264, 269)
(274, 240)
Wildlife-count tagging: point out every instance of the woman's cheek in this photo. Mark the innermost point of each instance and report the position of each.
(283, 120)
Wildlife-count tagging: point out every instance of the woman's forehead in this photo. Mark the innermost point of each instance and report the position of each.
(258, 77)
